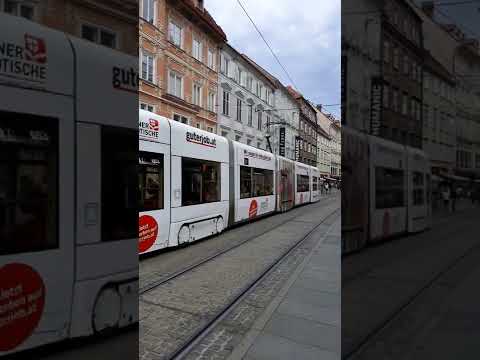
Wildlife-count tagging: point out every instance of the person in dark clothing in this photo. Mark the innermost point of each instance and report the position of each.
(475, 195)
(453, 196)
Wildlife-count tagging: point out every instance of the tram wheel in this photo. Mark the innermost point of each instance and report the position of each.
(106, 311)
(220, 225)
(184, 235)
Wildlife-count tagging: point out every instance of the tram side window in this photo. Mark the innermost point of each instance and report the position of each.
(303, 183)
(255, 182)
(389, 187)
(119, 184)
(28, 183)
(418, 188)
(262, 182)
(200, 181)
(151, 181)
(245, 182)
(314, 184)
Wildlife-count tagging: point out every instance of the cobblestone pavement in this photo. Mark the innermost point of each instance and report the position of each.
(151, 269)
(171, 313)
(400, 299)
(293, 313)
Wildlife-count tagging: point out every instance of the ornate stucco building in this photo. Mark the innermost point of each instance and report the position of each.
(246, 99)
(179, 61)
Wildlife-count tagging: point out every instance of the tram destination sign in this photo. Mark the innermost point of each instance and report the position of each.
(255, 155)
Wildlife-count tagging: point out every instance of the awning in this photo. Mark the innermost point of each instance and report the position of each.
(455, 177)
(459, 178)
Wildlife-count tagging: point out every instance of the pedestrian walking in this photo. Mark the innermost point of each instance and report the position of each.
(470, 195)
(453, 196)
(476, 195)
(326, 187)
(446, 197)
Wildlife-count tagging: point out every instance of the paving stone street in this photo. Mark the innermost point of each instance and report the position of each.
(173, 312)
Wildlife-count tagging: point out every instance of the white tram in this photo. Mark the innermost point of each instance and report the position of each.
(419, 198)
(398, 190)
(302, 184)
(66, 202)
(388, 189)
(253, 182)
(315, 183)
(193, 183)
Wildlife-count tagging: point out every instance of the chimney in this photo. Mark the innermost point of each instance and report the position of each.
(200, 4)
(428, 8)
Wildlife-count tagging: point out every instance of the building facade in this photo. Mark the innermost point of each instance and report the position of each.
(335, 148)
(399, 90)
(306, 141)
(360, 62)
(179, 61)
(439, 130)
(285, 122)
(106, 22)
(454, 144)
(246, 99)
(324, 143)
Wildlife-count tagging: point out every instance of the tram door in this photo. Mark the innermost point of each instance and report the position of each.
(36, 222)
(284, 193)
(154, 190)
(154, 178)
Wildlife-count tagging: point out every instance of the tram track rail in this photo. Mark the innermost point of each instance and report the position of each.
(213, 320)
(199, 334)
(165, 279)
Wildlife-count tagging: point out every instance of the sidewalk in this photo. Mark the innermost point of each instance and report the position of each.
(453, 330)
(303, 322)
(461, 205)
(415, 297)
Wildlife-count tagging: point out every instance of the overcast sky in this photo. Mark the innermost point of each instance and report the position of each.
(466, 14)
(305, 35)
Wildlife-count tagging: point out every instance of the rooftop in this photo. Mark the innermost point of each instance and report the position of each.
(201, 16)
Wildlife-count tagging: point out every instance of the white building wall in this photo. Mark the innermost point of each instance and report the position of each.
(326, 144)
(335, 150)
(286, 111)
(361, 45)
(235, 84)
(461, 136)
(323, 154)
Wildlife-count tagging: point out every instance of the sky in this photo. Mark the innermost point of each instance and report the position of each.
(466, 14)
(304, 34)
